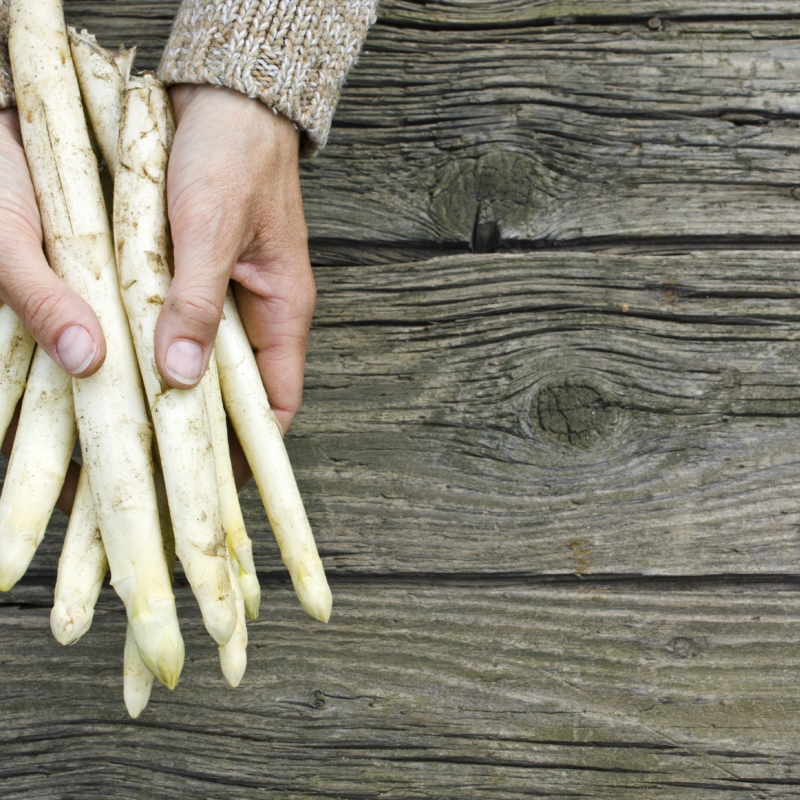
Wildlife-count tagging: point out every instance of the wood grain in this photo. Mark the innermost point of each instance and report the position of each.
(486, 14)
(454, 134)
(556, 413)
(555, 489)
(550, 413)
(423, 691)
(579, 135)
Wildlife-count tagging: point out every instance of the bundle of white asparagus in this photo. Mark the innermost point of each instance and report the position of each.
(123, 270)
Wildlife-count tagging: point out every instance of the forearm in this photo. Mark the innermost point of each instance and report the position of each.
(293, 55)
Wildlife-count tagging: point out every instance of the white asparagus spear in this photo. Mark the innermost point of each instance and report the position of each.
(81, 569)
(102, 76)
(16, 351)
(239, 544)
(260, 435)
(43, 445)
(109, 406)
(137, 680)
(179, 416)
(233, 655)
(105, 114)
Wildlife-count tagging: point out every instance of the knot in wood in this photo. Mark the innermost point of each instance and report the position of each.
(574, 412)
(484, 198)
(684, 647)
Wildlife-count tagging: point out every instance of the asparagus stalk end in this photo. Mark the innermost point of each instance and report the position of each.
(160, 652)
(312, 590)
(137, 681)
(68, 624)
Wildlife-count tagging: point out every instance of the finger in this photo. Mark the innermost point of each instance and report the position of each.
(277, 328)
(60, 321)
(206, 248)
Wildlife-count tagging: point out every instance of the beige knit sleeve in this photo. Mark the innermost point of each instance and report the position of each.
(6, 87)
(292, 55)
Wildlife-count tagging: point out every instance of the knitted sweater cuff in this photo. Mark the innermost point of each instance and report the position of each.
(292, 55)
(6, 87)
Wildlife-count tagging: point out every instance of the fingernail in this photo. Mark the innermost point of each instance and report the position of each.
(184, 361)
(75, 349)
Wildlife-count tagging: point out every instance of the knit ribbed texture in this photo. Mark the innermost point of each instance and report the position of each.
(6, 87)
(292, 55)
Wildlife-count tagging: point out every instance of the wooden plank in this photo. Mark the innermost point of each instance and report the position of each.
(485, 14)
(546, 132)
(509, 414)
(585, 135)
(425, 692)
(550, 413)
(124, 18)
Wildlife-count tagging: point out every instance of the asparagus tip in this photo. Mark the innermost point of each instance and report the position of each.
(233, 661)
(17, 548)
(313, 591)
(137, 681)
(218, 608)
(69, 624)
(251, 592)
(136, 696)
(160, 649)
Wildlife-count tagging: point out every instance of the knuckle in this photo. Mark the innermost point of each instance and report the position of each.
(205, 207)
(197, 309)
(39, 310)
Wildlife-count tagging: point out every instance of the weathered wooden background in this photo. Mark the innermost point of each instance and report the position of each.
(550, 444)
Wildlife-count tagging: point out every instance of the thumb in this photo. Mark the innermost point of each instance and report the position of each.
(60, 321)
(206, 247)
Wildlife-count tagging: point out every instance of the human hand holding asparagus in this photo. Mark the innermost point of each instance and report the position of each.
(236, 212)
(181, 341)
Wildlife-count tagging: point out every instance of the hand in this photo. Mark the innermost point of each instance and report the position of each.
(236, 211)
(63, 324)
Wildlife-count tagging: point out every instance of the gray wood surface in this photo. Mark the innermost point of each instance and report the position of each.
(504, 414)
(583, 133)
(554, 482)
(447, 691)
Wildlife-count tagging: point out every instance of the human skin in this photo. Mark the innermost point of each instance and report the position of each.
(235, 212)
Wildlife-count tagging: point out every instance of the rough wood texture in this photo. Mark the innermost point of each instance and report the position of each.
(498, 13)
(521, 134)
(586, 135)
(507, 414)
(411, 691)
(501, 454)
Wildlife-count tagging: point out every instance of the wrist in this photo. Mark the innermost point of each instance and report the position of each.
(243, 114)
